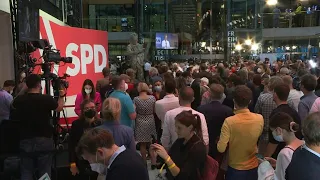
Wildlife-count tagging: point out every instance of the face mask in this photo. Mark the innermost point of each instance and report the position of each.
(259, 70)
(90, 113)
(88, 91)
(125, 87)
(23, 75)
(158, 88)
(99, 168)
(11, 92)
(278, 138)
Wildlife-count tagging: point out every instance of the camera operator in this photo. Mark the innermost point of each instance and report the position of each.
(33, 111)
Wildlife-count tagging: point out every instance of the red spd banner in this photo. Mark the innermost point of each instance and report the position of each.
(88, 49)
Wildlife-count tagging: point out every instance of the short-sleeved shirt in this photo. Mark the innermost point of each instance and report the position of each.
(285, 108)
(33, 111)
(127, 107)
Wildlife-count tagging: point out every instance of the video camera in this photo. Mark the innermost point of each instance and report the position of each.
(50, 54)
(58, 82)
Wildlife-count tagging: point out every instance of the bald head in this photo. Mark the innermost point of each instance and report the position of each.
(216, 91)
(186, 95)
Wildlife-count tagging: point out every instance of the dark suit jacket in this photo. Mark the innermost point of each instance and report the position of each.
(128, 165)
(197, 94)
(215, 114)
(204, 74)
(101, 83)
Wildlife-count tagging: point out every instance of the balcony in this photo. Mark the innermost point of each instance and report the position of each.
(286, 26)
(111, 24)
(288, 20)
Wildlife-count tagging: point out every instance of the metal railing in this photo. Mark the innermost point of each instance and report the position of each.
(289, 20)
(111, 24)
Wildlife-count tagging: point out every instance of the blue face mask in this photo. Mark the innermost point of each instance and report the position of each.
(158, 88)
(278, 138)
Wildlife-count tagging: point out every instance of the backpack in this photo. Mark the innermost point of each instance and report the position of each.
(211, 168)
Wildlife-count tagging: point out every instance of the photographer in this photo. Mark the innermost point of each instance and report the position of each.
(33, 111)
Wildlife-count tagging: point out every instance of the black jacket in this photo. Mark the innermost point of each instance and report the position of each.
(77, 130)
(190, 158)
(128, 165)
(304, 166)
(215, 114)
(197, 94)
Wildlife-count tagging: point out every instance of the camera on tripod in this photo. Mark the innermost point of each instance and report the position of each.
(51, 55)
(58, 82)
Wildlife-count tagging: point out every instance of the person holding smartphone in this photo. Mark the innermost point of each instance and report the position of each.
(187, 156)
(283, 129)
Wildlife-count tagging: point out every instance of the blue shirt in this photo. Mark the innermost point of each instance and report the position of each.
(127, 106)
(122, 135)
(305, 104)
(115, 154)
(5, 102)
(310, 150)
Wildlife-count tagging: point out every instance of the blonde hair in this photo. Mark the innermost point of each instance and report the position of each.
(111, 109)
(143, 87)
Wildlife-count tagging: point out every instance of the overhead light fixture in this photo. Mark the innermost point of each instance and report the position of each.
(248, 42)
(254, 47)
(272, 2)
(287, 48)
(294, 47)
(203, 44)
(238, 47)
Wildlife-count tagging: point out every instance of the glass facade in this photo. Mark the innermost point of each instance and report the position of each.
(244, 24)
(295, 49)
(283, 15)
(111, 18)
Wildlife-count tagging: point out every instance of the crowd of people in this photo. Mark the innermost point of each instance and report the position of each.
(240, 121)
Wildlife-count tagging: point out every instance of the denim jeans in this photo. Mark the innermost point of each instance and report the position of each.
(36, 155)
(233, 174)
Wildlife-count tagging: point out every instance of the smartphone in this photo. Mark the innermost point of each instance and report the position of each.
(260, 156)
(153, 139)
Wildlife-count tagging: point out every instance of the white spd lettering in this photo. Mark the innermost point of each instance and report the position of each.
(88, 55)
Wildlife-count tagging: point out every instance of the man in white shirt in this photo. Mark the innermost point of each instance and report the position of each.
(294, 95)
(169, 135)
(165, 43)
(170, 101)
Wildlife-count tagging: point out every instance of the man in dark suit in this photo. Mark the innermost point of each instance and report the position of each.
(98, 147)
(215, 114)
(203, 73)
(195, 85)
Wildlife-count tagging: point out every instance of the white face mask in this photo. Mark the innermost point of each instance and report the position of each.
(259, 70)
(99, 168)
(23, 75)
(11, 91)
(88, 91)
(125, 87)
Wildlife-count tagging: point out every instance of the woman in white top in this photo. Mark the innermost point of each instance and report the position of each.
(283, 130)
